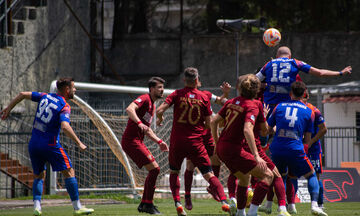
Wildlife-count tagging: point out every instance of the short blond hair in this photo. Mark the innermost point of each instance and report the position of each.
(250, 86)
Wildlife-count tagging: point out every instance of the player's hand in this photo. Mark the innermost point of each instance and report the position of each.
(143, 127)
(225, 88)
(347, 70)
(266, 109)
(261, 163)
(163, 146)
(4, 113)
(159, 120)
(82, 147)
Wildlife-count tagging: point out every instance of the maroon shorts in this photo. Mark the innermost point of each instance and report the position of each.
(209, 144)
(137, 151)
(263, 155)
(236, 159)
(193, 150)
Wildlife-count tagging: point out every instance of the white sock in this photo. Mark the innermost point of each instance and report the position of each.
(253, 209)
(268, 204)
(37, 204)
(314, 204)
(292, 206)
(76, 204)
(240, 212)
(282, 208)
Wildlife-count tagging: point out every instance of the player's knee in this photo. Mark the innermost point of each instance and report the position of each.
(40, 176)
(155, 171)
(205, 169)
(268, 176)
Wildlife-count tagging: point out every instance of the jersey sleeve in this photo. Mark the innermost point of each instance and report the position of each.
(272, 120)
(36, 96)
(170, 99)
(207, 109)
(310, 123)
(65, 113)
(302, 66)
(261, 74)
(251, 114)
(319, 119)
(141, 100)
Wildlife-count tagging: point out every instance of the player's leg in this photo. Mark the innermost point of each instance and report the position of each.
(291, 184)
(149, 189)
(37, 192)
(232, 183)
(279, 189)
(317, 164)
(241, 192)
(188, 179)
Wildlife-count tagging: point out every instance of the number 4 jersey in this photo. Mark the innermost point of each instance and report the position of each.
(292, 120)
(51, 111)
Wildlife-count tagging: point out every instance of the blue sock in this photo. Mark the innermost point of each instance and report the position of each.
(313, 187)
(295, 183)
(321, 193)
(72, 188)
(37, 189)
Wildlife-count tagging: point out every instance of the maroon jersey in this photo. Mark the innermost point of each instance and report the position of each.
(145, 112)
(236, 112)
(191, 106)
(208, 139)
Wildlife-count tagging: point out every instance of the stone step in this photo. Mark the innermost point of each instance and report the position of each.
(17, 169)
(4, 156)
(8, 162)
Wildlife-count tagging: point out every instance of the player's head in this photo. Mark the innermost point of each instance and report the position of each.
(156, 86)
(238, 82)
(66, 87)
(191, 77)
(297, 90)
(283, 52)
(250, 86)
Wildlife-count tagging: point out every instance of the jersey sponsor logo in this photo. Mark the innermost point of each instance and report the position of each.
(138, 100)
(237, 102)
(40, 126)
(148, 117)
(288, 134)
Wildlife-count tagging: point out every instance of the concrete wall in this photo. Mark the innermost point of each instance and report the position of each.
(52, 46)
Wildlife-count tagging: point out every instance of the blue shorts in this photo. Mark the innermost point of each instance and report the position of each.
(40, 153)
(315, 159)
(296, 161)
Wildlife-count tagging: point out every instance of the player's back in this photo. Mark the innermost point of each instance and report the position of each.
(191, 106)
(279, 74)
(47, 122)
(292, 120)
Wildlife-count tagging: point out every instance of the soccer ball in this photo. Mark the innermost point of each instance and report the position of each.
(272, 37)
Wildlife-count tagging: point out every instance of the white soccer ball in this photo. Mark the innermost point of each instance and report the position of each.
(272, 37)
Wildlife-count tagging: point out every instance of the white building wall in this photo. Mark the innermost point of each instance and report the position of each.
(338, 148)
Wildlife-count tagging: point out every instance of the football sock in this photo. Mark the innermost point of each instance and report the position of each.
(313, 187)
(149, 186)
(76, 204)
(290, 192)
(259, 193)
(241, 197)
(188, 178)
(175, 186)
(253, 209)
(270, 193)
(295, 184)
(37, 204)
(321, 193)
(72, 188)
(268, 204)
(216, 185)
(216, 170)
(231, 184)
(37, 189)
(279, 190)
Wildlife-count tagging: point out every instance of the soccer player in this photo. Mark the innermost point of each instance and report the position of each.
(52, 114)
(191, 116)
(240, 114)
(293, 121)
(281, 72)
(209, 146)
(141, 112)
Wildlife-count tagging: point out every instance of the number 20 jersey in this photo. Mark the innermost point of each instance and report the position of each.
(51, 111)
(279, 74)
(292, 120)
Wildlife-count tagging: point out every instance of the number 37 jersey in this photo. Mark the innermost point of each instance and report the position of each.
(51, 111)
(292, 120)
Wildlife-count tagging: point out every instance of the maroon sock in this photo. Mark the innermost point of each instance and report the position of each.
(231, 184)
(216, 170)
(290, 192)
(188, 178)
(241, 196)
(260, 193)
(216, 186)
(270, 193)
(149, 186)
(175, 186)
(279, 190)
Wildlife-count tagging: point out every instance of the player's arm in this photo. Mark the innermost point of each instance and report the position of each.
(225, 88)
(214, 125)
(325, 73)
(65, 126)
(131, 111)
(163, 146)
(21, 96)
(307, 138)
(160, 112)
(322, 131)
(250, 139)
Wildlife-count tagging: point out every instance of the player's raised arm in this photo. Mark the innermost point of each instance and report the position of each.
(21, 96)
(325, 73)
(65, 126)
(131, 111)
(160, 111)
(225, 88)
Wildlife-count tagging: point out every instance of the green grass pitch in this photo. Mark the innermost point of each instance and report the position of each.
(166, 206)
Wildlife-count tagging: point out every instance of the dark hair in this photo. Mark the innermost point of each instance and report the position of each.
(63, 82)
(298, 88)
(250, 86)
(153, 81)
(191, 74)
